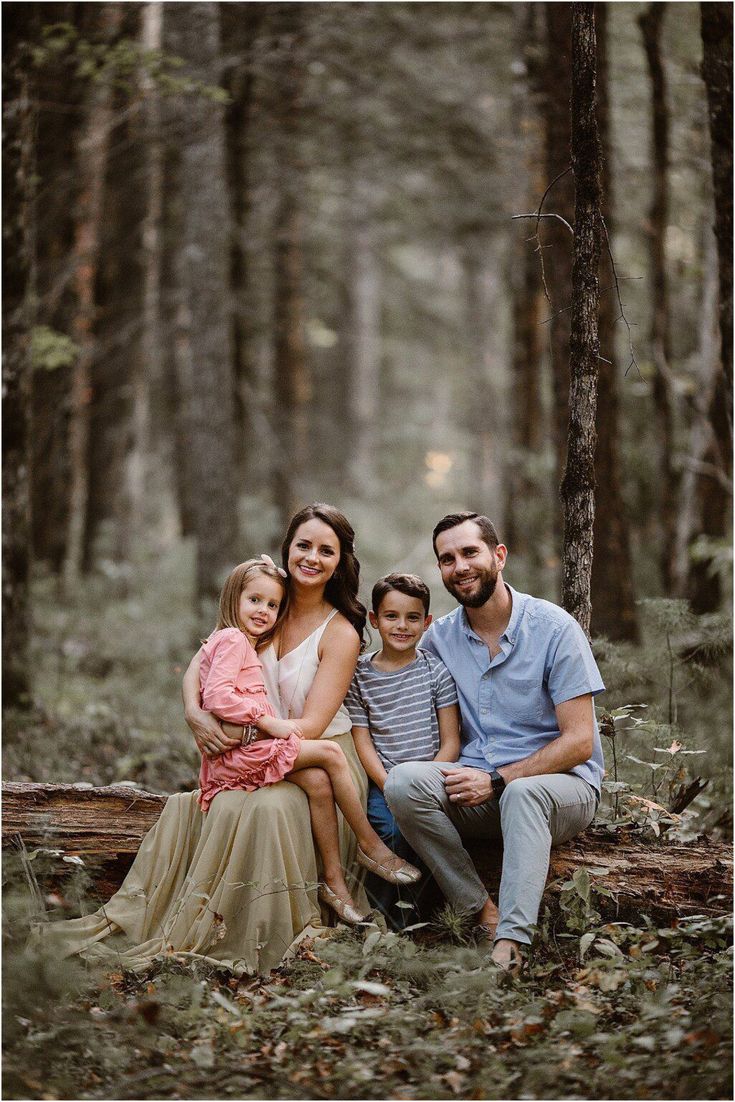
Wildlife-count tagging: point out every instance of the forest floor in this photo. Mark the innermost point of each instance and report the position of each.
(604, 1010)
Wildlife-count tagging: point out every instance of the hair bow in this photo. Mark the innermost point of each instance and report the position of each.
(269, 562)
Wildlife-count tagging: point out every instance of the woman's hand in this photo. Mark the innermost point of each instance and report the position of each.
(279, 728)
(208, 734)
(206, 728)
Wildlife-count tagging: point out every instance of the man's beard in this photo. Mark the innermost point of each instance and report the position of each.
(487, 581)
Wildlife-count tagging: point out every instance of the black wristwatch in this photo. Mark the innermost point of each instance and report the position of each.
(498, 784)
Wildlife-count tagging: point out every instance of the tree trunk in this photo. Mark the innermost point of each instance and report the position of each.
(651, 23)
(527, 415)
(18, 174)
(557, 251)
(117, 377)
(578, 485)
(715, 496)
(92, 166)
(292, 378)
(482, 416)
(147, 363)
(203, 346)
(105, 826)
(363, 373)
(240, 25)
(613, 600)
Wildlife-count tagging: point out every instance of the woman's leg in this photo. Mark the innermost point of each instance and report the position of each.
(327, 755)
(318, 788)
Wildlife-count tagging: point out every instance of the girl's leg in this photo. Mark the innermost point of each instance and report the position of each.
(329, 756)
(318, 788)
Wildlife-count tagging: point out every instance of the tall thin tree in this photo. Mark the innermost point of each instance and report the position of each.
(203, 346)
(92, 166)
(16, 368)
(613, 600)
(651, 23)
(578, 485)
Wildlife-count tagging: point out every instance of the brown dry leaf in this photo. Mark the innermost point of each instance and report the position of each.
(323, 1069)
(521, 1032)
(149, 1010)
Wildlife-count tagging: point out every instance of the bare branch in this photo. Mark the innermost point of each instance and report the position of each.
(621, 316)
(538, 216)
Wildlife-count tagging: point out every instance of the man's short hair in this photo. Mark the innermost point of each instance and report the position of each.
(410, 584)
(488, 531)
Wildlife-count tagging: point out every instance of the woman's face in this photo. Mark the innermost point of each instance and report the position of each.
(314, 553)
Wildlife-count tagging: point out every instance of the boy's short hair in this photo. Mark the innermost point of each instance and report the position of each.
(410, 584)
(488, 532)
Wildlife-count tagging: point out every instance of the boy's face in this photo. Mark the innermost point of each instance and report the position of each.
(401, 621)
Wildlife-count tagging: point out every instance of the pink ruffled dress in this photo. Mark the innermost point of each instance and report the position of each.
(231, 685)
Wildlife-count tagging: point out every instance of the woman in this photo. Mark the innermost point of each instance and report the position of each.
(238, 887)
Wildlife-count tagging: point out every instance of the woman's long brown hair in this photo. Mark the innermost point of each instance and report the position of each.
(342, 588)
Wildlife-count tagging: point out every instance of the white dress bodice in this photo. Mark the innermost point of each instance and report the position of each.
(289, 679)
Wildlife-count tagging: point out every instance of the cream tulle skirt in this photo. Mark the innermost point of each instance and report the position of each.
(235, 887)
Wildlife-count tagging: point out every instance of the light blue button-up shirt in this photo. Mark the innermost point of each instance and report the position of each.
(507, 702)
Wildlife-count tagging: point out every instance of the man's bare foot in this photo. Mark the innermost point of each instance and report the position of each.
(506, 955)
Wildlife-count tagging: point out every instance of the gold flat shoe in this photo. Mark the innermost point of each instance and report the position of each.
(345, 911)
(407, 874)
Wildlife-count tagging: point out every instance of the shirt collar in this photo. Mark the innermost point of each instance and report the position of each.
(511, 632)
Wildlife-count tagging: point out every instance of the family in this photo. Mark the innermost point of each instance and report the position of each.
(479, 725)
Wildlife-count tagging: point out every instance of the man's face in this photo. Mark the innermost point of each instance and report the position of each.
(469, 568)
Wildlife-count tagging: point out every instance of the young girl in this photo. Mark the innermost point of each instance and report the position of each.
(231, 684)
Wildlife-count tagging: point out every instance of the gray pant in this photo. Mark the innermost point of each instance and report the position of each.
(533, 814)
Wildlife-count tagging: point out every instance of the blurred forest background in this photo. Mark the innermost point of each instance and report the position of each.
(262, 254)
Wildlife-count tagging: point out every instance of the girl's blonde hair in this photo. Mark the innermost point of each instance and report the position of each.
(229, 599)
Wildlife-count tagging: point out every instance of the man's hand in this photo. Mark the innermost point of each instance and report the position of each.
(208, 734)
(468, 786)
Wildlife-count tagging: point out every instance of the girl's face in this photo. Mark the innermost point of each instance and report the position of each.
(314, 553)
(258, 605)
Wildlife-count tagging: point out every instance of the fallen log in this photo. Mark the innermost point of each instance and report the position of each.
(104, 826)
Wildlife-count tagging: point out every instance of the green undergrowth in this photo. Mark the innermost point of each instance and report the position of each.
(622, 1012)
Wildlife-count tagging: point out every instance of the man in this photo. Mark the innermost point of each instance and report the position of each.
(531, 762)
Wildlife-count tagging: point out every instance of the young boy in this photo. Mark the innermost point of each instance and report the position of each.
(403, 707)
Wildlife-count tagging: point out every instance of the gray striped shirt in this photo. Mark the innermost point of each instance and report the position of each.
(399, 708)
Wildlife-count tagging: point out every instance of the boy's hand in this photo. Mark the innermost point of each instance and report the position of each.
(280, 728)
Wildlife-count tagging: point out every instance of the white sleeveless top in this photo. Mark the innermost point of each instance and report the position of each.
(289, 679)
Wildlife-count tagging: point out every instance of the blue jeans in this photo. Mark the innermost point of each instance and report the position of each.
(381, 894)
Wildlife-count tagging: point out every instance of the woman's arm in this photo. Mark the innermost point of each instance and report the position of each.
(449, 744)
(209, 735)
(368, 755)
(338, 653)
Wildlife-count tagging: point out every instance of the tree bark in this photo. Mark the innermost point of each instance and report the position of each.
(482, 416)
(557, 247)
(578, 485)
(18, 174)
(105, 826)
(651, 23)
(147, 363)
(240, 26)
(613, 600)
(705, 589)
(363, 373)
(527, 414)
(92, 166)
(203, 344)
(292, 377)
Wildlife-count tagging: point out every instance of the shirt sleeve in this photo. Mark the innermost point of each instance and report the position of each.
(573, 669)
(445, 691)
(355, 705)
(219, 692)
